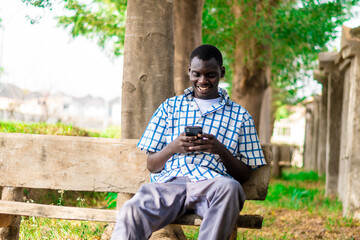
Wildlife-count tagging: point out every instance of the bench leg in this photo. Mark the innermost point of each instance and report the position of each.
(170, 232)
(121, 199)
(11, 232)
(234, 234)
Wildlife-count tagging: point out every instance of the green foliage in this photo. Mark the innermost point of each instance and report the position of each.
(39, 3)
(44, 128)
(291, 33)
(103, 20)
(282, 112)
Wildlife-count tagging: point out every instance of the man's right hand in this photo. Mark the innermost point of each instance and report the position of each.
(182, 144)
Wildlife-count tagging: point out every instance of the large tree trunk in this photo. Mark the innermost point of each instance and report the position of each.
(251, 65)
(148, 63)
(188, 29)
(249, 84)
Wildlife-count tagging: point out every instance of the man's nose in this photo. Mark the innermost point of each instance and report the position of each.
(202, 78)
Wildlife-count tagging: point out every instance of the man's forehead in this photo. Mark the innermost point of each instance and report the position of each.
(196, 62)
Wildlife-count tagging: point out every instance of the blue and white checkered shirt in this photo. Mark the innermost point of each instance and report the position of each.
(230, 123)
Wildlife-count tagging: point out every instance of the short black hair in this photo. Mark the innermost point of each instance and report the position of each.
(206, 52)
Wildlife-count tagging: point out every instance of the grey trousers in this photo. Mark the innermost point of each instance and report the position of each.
(156, 205)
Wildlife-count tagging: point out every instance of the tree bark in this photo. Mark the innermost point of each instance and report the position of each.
(148, 63)
(251, 65)
(188, 35)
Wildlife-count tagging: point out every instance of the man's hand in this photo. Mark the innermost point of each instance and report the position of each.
(207, 143)
(202, 143)
(183, 144)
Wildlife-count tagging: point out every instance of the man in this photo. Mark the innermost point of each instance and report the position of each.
(200, 174)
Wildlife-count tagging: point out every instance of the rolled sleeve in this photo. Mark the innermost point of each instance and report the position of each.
(154, 136)
(250, 151)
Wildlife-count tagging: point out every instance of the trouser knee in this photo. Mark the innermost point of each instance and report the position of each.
(231, 191)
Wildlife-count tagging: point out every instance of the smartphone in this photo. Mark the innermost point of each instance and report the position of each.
(193, 130)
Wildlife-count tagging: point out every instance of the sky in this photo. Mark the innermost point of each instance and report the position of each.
(44, 57)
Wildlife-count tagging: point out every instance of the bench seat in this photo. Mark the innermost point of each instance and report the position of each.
(102, 215)
(90, 164)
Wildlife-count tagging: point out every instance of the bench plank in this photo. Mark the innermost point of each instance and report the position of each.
(244, 221)
(59, 212)
(102, 215)
(89, 164)
(71, 163)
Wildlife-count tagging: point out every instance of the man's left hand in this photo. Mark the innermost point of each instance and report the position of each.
(207, 143)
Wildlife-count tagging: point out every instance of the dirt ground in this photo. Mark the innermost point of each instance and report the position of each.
(301, 224)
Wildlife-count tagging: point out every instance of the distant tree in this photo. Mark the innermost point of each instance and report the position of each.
(103, 20)
(270, 42)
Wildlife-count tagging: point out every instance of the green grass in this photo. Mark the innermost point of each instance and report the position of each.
(44, 228)
(295, 175)
(296, 203)
(46, 129)
(57, 129)
(294, 198)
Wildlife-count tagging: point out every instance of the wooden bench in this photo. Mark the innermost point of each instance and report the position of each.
(89, 164)
(281, 158)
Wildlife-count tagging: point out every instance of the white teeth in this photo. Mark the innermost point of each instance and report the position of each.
(203, 88)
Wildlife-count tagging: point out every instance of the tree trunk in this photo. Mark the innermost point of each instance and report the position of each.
(188, 29)
(249, 84)
(148, 63)
(252, 62)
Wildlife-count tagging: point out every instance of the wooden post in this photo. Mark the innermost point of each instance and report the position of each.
(349, 167)
(275, 170)
(334, 115)
(11, 223)
(234, 234)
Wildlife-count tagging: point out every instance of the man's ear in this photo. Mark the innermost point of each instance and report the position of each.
(189, 69)
(222, 71)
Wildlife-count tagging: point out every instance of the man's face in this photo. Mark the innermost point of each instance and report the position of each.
(204, 77)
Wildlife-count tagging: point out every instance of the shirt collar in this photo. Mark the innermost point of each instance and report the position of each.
(189, 95)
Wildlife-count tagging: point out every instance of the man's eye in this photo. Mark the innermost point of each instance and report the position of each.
(211, 75)
(196, 74)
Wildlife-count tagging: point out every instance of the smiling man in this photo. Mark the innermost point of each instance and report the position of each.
(200, 174)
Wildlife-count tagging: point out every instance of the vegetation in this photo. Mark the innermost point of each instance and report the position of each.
(295, 208)
(271, 42)
(287, 27)
(44, 128)
(294, 31)
(267, 42)
(56, 129)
